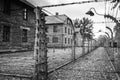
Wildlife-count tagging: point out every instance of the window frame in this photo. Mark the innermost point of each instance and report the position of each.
(6, 33)
(65, 40)
(55, 28)
(55, 40)
(68, 31)
(68, 40)
(48, 39)
(24, 35)
(71, 41)
(25, 14)
(65, 29)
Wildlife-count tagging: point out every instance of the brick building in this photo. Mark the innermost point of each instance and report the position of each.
(17, 24)
(60, 30)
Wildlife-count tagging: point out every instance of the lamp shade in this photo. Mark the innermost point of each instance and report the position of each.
(90, 13)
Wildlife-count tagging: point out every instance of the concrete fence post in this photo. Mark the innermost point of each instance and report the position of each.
(40, 48)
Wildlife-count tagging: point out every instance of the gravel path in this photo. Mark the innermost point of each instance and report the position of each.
(94, 66)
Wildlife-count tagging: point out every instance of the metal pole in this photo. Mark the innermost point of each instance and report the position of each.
(88, 45)
(112, 40)
(40, 48)
(73, 47)
(91, 45)
(83, 47)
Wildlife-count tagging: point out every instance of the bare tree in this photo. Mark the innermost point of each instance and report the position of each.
(86, 26)
(116, 3)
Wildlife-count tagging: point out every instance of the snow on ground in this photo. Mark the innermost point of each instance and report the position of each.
(23, 62)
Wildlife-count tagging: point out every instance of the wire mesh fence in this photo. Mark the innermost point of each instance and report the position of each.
(14, 65)
(14, 77)
(59, 56)
(113, 53)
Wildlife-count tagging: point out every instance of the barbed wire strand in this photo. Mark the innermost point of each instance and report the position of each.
(89, 70)
(64, 4)
(62, 20)
(117, 10)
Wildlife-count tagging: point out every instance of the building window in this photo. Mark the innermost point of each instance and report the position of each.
(54, 28)
(6, 33)
(24, 35)
(65, 29)
(68, 40)
(25, 14)
(47, 29)
(68, 22)
(47, 39)
(71, 32)
(7, 7)
(65, 40)
(55, 40)
(68, 31)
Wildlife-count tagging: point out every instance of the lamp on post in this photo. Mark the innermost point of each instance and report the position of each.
(90, 12)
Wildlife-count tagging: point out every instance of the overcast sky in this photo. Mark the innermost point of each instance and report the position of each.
(76, 10)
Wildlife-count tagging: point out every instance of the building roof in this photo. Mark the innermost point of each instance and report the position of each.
(55, 19)
(77, 29)
(31, 5)
(27, 3)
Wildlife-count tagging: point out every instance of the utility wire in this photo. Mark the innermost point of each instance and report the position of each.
(105, 7)
(62, 20)
(117, 10)
(112, 9)
(108, 7)
(103, 22)
(106, 21)
(110, 12)
(104, 71)
(64, 4)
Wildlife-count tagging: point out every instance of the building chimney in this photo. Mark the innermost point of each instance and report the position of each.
(57, 13)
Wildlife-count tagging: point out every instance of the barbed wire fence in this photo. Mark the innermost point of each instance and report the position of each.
(53, 52)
